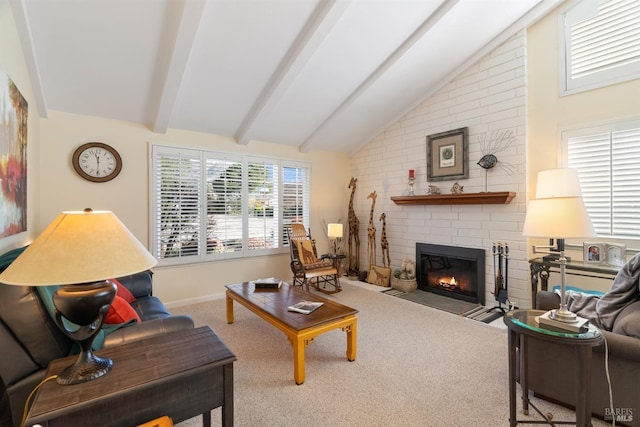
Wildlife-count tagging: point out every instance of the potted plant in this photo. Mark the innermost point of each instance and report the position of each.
(404, 278)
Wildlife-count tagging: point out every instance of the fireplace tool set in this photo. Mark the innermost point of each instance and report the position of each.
(501, 275)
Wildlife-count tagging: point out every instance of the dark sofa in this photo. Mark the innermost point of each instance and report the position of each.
(30, 339)
(552, 367)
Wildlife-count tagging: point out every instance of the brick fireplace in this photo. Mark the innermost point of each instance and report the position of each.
(452, 271)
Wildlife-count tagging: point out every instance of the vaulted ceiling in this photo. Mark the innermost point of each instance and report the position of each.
(315, 74)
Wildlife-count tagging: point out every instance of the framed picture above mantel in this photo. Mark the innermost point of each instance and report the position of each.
(448, 155)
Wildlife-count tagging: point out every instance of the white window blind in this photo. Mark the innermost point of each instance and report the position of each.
(599, 44)
(177, 176)
(224, 204)
(263, 206)
(295, 196)
(210, 205)
(607, 159)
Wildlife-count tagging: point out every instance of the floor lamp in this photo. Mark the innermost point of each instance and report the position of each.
(558, 211)
(80, 251)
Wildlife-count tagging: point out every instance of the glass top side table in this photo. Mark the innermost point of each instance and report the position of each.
(522, 325)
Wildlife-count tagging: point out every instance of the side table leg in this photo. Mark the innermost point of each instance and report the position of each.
(513, 339)
(229, 309)
(583, 387)
(524, 375)
(227, 398)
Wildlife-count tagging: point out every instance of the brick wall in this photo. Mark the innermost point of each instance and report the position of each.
(490, 96)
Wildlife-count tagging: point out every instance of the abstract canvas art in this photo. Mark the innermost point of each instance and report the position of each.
(13, 158)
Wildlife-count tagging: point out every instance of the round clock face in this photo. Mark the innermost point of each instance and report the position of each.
(97, 162)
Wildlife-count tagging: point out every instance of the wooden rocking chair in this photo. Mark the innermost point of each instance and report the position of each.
(305, 265)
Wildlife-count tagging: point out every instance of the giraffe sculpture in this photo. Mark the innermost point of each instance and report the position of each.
(354, 237)
(384, 243)
(371, 231)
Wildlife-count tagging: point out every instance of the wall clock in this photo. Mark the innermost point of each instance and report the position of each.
(97, 162)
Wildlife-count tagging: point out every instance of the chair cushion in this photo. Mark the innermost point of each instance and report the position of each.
(306, 252)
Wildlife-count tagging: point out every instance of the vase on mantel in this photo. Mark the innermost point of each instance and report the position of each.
(412, 181)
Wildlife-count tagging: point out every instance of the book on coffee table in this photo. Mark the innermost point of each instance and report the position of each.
(270, 283)
(305, 307)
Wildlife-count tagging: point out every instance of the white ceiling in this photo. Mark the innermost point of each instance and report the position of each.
(314, 74)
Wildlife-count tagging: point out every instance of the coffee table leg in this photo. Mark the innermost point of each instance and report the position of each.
(352, 333)
(298, 359)
(229, 309)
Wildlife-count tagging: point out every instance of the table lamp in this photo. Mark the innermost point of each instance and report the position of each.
(80, 251)
(558, 211)
(334, 232)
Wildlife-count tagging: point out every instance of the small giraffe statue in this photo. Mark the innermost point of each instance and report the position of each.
(371, 231)
(384, 243)
(354, 236)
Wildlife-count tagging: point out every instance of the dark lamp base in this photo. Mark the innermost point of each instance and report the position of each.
(88, 367)
(85, 305)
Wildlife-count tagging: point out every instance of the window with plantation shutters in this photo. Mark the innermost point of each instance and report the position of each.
(211, 205)
(295, 191)
(599, 44)
(607, 159)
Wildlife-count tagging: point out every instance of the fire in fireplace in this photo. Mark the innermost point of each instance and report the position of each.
(452, 271)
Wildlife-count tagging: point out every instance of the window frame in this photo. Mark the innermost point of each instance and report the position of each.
(203, 254)
(578, 11)
(594, 129)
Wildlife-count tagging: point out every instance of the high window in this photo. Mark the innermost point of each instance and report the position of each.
(599, 44)
(607, 158)
(210, 205)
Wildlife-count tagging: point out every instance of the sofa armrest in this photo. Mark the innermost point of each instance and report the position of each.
(621, 346)
(148, 329)
(546, 300)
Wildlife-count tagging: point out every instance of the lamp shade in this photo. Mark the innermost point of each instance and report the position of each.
(334, 230)
(564, 217)
(79, 247)
(562, 182)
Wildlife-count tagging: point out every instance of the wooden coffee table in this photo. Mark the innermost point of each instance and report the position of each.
(300, 329)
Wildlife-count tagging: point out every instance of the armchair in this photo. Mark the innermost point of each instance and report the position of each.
(306, 267)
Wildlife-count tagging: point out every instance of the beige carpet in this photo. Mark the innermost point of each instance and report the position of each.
(415, 366)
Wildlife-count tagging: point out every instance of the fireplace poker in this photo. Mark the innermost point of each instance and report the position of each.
(499, 278)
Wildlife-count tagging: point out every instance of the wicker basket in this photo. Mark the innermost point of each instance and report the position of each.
(405, 285)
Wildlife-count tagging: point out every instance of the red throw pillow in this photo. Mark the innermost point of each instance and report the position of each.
(123, 292)
(121, 312)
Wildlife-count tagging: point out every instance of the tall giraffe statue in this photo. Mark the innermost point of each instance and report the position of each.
(371, 231)
(354, 236)
(384, 243)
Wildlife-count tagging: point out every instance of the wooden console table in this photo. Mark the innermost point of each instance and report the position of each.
(540, 270)
(179, 374)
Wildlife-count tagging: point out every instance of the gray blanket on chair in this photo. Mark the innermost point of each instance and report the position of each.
(602, 311)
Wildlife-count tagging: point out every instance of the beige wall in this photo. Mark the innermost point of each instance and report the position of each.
(127, 195)
(13, 63)
(550, 113)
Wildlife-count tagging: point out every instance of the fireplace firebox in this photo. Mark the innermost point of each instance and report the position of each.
(452, 271)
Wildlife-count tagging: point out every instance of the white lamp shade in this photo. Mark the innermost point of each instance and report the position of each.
(79, 247)
(334, 230)
(559, 217)
(562, 182)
